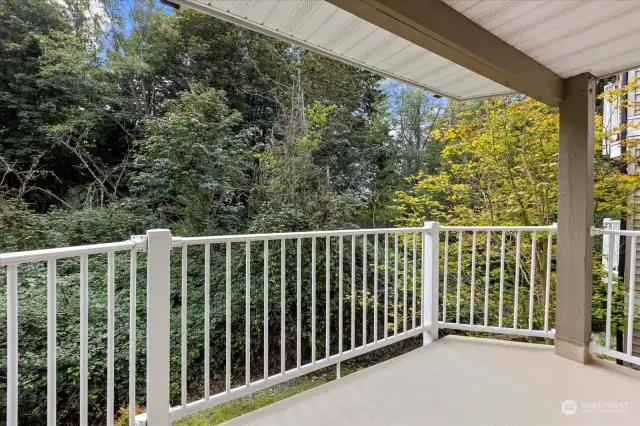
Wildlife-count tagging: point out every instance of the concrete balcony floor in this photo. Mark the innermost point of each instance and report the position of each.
(467, 381)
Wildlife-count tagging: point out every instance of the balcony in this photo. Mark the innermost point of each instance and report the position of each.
(467, 381)
(332, 296)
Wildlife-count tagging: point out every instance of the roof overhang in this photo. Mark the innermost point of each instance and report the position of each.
(442, 30)
(462, 49)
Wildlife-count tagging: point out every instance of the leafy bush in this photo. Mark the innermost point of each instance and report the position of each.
(28, 230)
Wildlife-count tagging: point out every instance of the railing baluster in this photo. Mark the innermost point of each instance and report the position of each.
(446, 275)
(375, 288)
(532, 278)
(386, 285)
(547, 287)
(459, 283)
(283, 286)
(12, 346)
(327, 296)
(502, 254)
(395, 285)
(207, 316)
(517, 281)
(133, 283)
(473, 277)
(313, 300)
(228, 318)
(265, 310)
(340, 293)
(110, 335)
(609, 289)
(364, 290)
(414, 285)
(424, 275)
(183, 333)
(353, 292)
(632, 295)
(51, 342)
(405, 311)
(247, 314)
(486, 280)
(84, 340)
(299, 304)
(340, 297)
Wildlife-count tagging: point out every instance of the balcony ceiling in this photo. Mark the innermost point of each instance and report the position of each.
(567, 37)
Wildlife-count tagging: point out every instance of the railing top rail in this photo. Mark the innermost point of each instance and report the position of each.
(179, 241)
(549, 228)
(289, 235)
(63, 252)
(625, 232)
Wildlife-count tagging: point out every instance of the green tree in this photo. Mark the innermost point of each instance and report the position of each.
(176, 120)
(22, 114)
(500, 167)
(84, 116)
(356, 152)
(415, 115)
(190, 168)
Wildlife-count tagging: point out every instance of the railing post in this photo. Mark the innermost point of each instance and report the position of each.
(430, 279)
(158, 319)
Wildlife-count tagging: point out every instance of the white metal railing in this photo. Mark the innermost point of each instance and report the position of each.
(12, 262)
(372, 277)
(393, 262)
(510, 237)
(616, 289)
(388, 287)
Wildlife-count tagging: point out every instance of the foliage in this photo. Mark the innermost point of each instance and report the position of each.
(295, 187)
(612, 172)
(84, 115)
(356, 155)
(23, 229)
(414, 117)
(288, 169)
(190, 167)
(619, 98)
(499, 167)
(131, 117)
(23, 23)
(123, 415)
(136, 117)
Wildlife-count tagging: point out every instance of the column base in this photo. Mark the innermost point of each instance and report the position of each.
(573, 351)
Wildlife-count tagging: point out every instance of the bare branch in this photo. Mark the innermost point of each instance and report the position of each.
(26, 178)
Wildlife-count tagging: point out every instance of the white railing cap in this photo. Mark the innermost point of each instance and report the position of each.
(63, 252)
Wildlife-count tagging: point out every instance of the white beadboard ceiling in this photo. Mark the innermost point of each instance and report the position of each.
(567, 36)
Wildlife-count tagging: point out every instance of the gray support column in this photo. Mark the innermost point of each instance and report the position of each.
(575, 216)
